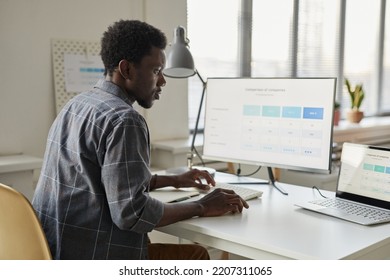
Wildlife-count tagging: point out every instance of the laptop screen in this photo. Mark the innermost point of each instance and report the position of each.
(365, 174)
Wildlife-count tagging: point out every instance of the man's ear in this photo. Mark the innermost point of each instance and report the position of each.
(125, 69)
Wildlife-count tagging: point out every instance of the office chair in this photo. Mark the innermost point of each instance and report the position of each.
(21, 234)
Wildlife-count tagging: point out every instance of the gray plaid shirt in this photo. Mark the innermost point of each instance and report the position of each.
(92, 195)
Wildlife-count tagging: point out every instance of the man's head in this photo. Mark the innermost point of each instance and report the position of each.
(130, 40)
(133, 56)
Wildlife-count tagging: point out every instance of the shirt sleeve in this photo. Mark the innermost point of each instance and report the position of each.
(126, 177)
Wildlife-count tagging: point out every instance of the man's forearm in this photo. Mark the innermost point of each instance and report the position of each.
(160, 181)
(180, 211)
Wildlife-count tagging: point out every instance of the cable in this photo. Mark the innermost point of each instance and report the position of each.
(316, 188)
(199, 156)
(247, 175)
(238, 170)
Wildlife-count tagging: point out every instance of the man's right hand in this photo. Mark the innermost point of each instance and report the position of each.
(217, 203)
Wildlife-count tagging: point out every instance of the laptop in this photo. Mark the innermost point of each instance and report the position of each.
(363, 187)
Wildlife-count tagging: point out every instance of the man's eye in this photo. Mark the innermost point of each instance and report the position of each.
(157, 71)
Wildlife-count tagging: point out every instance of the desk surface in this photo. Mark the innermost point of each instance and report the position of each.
(274, 228)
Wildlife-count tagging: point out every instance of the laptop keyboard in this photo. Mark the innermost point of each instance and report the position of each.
(245, 193)
(354, 209)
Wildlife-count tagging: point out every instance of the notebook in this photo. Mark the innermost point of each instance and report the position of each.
(363, 182)
(171, 194)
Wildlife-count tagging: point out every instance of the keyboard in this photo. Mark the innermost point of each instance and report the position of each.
(245, 193)
(354, 209)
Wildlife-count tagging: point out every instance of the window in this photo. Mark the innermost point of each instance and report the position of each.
(385, 82)
(213, 43)
(361, 58)
(306, 38)
(317, 44)
(271, 50)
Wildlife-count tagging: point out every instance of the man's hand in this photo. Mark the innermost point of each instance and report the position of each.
(220, 202)
(217, 203)
(193, 178)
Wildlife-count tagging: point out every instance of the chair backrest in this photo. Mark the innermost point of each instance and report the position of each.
(21, 234)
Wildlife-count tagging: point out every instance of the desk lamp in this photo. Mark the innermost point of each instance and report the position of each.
(180, 64)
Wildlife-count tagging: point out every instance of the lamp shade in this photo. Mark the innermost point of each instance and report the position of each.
(180, 63)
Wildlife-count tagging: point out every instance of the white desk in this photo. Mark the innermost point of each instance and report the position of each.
(273, 228)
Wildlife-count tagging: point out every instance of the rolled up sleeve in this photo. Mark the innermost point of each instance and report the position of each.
(126, 177)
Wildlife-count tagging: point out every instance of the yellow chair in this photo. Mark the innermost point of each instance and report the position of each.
(21, 234)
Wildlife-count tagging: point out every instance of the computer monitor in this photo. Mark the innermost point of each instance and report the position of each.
(273, 122)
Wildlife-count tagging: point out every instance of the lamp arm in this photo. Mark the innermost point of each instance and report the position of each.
(201, 79)
(197, 122)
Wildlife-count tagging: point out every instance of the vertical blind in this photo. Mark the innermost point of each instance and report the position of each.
(305, 38)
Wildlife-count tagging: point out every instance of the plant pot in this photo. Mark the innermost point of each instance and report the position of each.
(354, 116)
(336, 118)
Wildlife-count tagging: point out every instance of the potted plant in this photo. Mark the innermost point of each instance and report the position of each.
(356, 94)
(337, 113)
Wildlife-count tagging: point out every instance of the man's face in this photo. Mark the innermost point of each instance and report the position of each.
(148, 79)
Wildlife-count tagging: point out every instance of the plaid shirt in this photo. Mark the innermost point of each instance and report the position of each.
(92, 194)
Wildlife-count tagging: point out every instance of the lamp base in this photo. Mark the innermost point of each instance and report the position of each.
(182, 169)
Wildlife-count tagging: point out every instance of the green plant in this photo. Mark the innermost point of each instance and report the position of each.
(356, 94)
(336, 105)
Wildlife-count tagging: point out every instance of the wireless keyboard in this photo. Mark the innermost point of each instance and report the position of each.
(245, 193)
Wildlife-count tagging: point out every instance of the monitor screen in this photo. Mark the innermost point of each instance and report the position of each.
(274, 122)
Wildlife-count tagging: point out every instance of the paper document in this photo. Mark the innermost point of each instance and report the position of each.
(171, 194)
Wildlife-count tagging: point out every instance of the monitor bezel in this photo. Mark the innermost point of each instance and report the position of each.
(259, 163)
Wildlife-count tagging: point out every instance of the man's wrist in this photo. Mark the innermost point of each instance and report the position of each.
(199, 209)
(153, 182)
(175, 181)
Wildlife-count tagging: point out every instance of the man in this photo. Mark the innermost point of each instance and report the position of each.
(93, 193)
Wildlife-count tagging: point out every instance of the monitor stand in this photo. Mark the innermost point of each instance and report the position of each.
(272, 181)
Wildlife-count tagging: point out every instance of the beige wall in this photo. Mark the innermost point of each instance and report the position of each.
(169, 117)
(27, 105)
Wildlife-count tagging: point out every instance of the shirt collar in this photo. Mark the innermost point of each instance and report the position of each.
(114, 89)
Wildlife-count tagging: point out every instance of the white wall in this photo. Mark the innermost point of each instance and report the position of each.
(168, 118)
(27, 105)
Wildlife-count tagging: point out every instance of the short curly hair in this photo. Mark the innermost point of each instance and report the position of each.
(130, 40)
